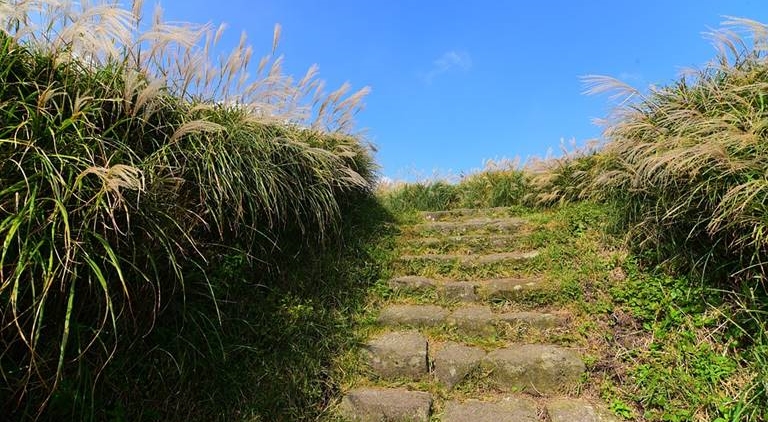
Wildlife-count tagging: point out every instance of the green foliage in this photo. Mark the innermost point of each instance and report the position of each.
(493, 187)
(685, 166)
(689, 369)
(125, 184)
(564, 179)
(435, 196)
(272, 355)
(687, 162)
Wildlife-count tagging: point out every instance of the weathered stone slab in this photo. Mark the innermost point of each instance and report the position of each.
(413, 315)
(512, 409)
(574, 410)
(454, 361)
(472, 259)
(386, 405)
(474, 224)
(534, 368)
(505, 288)
(473, 320)
(473, 242)
(496, 258)
(412, 283)
(438, 258)
(462, 291)
(464, 212)
(538, 320)
(398, 354)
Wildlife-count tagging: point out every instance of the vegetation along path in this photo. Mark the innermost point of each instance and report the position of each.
(183, 240)
(476, 324)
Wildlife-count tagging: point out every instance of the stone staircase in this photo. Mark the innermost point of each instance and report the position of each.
(463, 350)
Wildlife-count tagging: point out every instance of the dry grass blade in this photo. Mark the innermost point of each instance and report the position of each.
(116, 178)
(195, 126)
(276, 37)
(600, 84)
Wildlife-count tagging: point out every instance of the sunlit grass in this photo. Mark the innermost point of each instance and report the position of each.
(131, 160)
(684, 164)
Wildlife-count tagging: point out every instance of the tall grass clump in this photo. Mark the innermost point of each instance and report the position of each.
(567, 178)
(437, 195)
(131, 159)
(686, 165)
(499, 184)
(687, 161)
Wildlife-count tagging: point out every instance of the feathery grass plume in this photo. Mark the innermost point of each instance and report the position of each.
(567, 178)
(687, 160)
(128, 156)
(619, 90)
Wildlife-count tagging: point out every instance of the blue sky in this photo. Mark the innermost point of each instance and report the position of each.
(455, 82)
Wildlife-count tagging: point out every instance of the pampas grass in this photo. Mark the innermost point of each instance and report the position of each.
(128, 153)
(687, 159)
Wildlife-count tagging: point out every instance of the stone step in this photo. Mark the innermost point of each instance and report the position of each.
(471, 260)
(452, 362)
(506, 288)
(469, 319)
(458, 291)
(540, 369)
(470, 242)
(413, 315)
(473, 225)
(386, 404)
(401, 354)
(398, 404)
(577, 410)
(412, 283)
(467, 291)
(458, 213)
(524, 409)
(511, 409)
(532, 368)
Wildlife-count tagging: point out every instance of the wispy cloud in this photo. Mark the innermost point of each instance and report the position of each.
(450, 60)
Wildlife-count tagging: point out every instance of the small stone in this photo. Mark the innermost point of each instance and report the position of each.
(413, 315)
(534, 368)
(454, 361)
(389, 405)
(398, 354)
(412, 283)
(531, 319)
(574, 410)
(462, 291)
(511, 409)
(473, 320)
